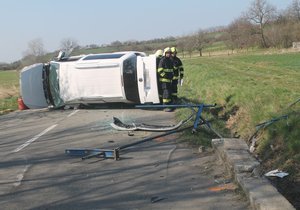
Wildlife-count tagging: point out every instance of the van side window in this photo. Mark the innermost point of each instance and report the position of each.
(103, 56)
(129, 65)
(130, 79)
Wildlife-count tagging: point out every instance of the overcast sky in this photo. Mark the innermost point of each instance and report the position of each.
(101, 22)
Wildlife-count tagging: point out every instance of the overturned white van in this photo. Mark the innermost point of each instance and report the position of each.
(128, 77)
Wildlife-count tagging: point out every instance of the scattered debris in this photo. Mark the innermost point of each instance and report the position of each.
(276, 173)
(201, 149)
(118, 124)
(229, 186)
(155, 199)
(222, 181)
(130, 133)
(261, 127)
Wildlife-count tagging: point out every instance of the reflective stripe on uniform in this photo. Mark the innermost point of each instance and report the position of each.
(162, 74)
(166, 100)
(164, 80)
(168, 70)
(175, 78)
(160, 69)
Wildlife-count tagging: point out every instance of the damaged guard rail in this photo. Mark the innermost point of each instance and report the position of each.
(115, 153)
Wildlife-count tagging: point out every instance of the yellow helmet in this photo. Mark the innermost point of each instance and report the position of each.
(173, 50)
(158, 53)
(167, 50)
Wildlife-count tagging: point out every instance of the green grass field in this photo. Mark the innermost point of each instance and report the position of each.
(9, 90)
(249, 89)
(9, 79)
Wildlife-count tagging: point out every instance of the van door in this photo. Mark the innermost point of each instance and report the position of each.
(147, 79)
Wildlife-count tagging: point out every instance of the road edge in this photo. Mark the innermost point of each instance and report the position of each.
(244, 168)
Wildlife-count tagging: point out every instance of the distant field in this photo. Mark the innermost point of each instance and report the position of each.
(250, 88)
(9, 89)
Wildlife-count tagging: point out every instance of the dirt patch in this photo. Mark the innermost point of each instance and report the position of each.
(7, 93)
(233, 116)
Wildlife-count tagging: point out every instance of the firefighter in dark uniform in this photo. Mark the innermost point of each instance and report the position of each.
(165, 72)
(178, 74)
(159, 54)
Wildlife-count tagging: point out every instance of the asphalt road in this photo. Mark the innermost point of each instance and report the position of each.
(35, 172)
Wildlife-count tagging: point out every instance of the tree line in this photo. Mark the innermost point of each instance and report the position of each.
(261, 25)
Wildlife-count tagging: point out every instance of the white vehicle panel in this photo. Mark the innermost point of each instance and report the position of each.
(147, 78)
(90, 81)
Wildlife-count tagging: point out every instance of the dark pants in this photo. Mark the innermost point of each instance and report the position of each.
(166, 92)
(174, 90)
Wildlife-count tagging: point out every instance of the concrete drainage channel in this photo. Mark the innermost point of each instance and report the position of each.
(243, 166)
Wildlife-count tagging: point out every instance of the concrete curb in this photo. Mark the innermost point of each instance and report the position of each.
(238, 160)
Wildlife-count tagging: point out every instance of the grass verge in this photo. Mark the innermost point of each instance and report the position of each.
(249, 89)
(9, 91)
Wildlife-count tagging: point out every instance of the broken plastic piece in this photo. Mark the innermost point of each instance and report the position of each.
(119, 125)
(276, 173)
(155, 199)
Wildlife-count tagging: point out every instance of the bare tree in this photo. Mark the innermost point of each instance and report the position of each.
(261, 13)
(181, 45)
(189, 44)
(35, 48)
(279, 35)
(201, 41)
(294, 10)
(35, 52)
(117, 44)
(241, 34)
(296, 32)
(68, 44)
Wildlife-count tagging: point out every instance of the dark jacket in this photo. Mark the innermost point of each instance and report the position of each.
(165, 69)
(178, 68)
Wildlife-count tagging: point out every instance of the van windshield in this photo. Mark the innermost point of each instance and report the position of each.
(54, 85)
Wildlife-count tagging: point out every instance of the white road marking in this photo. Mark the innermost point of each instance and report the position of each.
(74, 112)
(34, 138)
(21, 176)
(40, 134)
